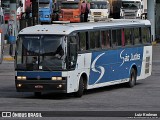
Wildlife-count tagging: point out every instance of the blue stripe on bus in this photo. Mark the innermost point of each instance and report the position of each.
(34, 74)
(114, 64)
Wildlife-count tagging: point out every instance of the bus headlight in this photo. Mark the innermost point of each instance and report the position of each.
(21, 77)
(56, 78)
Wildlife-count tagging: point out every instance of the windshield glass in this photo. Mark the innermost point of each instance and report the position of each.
(6, 6)
(40, 53)
(69, 6)
(131, 5)
(99, 5)
(44, 5)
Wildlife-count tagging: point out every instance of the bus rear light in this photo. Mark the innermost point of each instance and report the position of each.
(21, 77)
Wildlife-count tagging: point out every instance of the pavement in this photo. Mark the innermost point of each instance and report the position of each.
(6, 56)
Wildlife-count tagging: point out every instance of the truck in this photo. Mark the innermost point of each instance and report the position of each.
(23, 6)
(6, 7)
(99, 10)
(133, 9)
(70, 11)
(45, 11)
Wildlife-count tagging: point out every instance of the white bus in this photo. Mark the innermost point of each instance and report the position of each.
(2, 32)
(69, 58)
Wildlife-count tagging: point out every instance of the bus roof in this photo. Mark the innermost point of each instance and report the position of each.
(65, 29)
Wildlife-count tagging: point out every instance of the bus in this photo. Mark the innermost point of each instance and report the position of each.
(73, 57)
(2, 34)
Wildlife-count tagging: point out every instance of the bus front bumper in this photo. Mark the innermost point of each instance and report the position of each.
(41, 86)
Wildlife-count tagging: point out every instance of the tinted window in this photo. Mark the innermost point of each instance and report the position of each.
(128, 36)
(146, 37)
(105, 37)
(137, 36)
(116, 38)
(94, 40)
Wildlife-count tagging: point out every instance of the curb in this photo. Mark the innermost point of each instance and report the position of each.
(154, 43)
(8, 58)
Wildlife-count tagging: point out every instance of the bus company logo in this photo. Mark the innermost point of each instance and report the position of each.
(131, 57)
(102, 69)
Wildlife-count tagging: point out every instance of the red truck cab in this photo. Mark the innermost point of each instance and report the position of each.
(70, 11)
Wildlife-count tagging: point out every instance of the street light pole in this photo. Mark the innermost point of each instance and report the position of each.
(38, 12)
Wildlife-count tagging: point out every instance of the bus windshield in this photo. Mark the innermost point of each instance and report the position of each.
(130, 5)
(44, 5)
(69, 6)
(40, 53)
(99, 5)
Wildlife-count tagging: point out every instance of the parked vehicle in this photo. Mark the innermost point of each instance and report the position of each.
(70, 11)
(45, 11)
(133, 9)
(99, 10)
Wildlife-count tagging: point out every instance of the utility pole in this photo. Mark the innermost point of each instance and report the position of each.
(35, 11)
(12, 25)
(151, 16)
(13, 18)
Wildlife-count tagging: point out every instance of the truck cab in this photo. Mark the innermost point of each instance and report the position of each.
(131, 9)
(45, 11)
(70, 11)
(99, 10)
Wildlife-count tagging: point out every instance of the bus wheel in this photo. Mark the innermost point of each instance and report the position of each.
(132, 79)
(37, 94)
(79, 93)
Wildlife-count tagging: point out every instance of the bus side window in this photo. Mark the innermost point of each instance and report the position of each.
(83, 41)
(105, 38)
(94, 39)
(146, 37)
(119, 37)
(128, 36)
(137, 36)
(116, 38)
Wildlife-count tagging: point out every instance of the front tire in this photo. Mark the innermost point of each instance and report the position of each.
(80, 91)
(132, 79)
